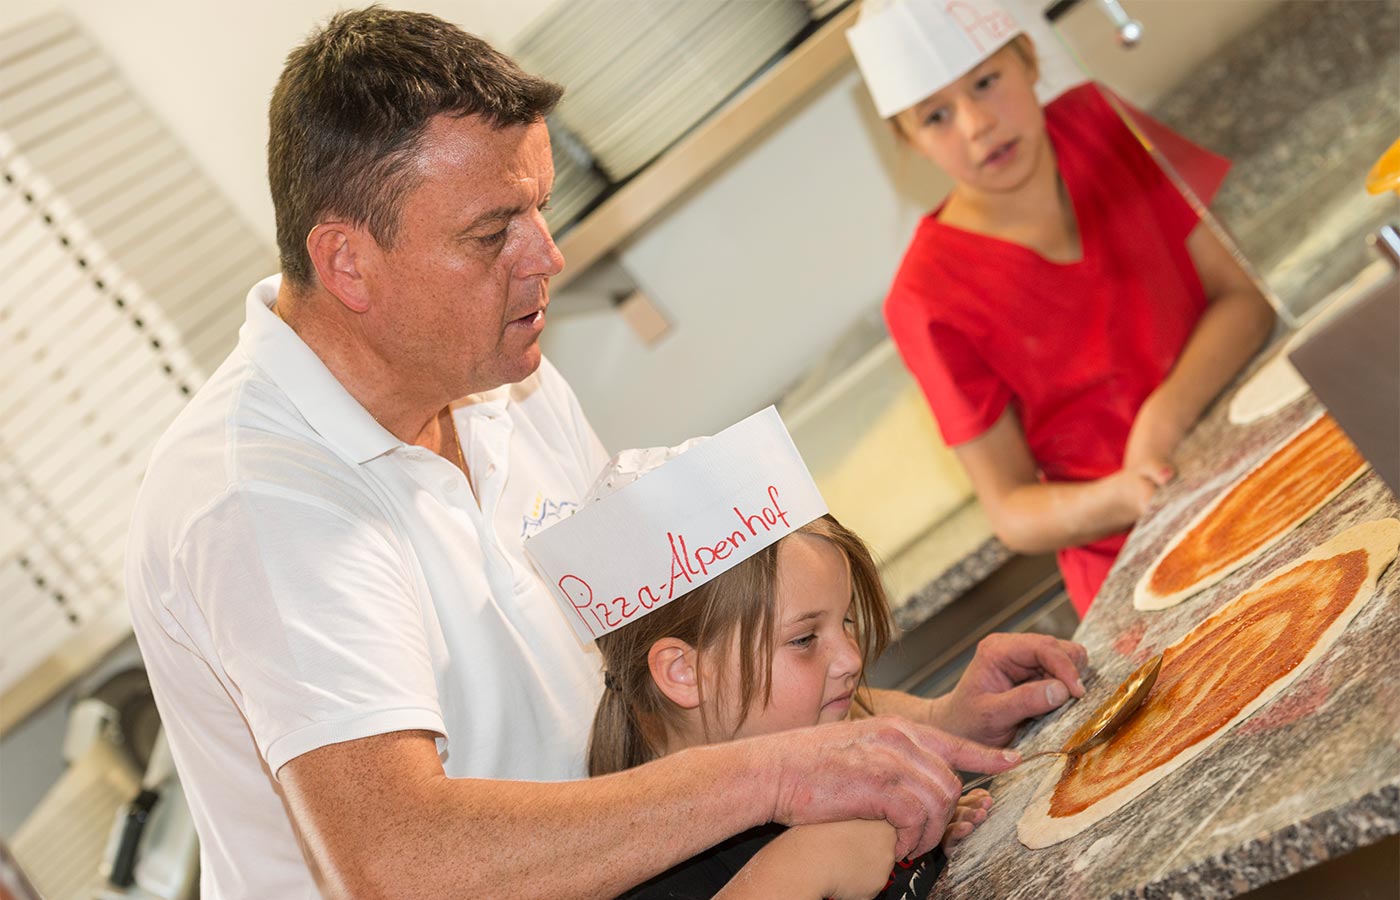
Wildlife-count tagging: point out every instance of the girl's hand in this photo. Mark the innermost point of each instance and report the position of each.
(1157, 430)
(1133, 489)
(971, 812)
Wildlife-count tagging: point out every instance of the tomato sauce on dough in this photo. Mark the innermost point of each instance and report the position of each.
(1296, 478)
(1214, 672)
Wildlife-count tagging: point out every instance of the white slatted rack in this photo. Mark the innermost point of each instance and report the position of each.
(122, 276)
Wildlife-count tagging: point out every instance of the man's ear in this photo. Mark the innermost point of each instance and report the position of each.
(340, 252)
(673, 667)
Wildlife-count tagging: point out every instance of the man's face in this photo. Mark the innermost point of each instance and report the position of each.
(458, 302)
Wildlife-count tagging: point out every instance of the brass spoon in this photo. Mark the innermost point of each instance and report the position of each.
(1105, 721)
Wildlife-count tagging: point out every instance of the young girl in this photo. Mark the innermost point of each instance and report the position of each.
(1064, 310)
(780, 641)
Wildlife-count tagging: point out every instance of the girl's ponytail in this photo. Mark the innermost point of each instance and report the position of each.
(616, 742)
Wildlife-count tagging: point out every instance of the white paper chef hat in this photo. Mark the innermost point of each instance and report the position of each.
(908, 49)
(663, 521)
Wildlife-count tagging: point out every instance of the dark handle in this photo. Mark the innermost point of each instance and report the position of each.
(138, 811)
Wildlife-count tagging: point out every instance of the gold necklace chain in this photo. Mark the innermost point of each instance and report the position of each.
(457, 443)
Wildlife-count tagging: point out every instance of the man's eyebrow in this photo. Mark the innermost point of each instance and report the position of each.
(499, 214)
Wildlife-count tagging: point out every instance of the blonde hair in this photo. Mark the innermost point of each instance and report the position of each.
(634, 716)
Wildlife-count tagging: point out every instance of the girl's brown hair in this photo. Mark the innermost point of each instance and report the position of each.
(631, 724)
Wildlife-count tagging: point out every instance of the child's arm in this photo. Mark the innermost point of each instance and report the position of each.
(1233, 327)
(1030, 516)
(840, 860)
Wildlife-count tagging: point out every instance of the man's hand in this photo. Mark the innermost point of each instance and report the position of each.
(1012, 677)
(882, 768)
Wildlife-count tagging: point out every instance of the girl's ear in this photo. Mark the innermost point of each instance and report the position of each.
(673, 667)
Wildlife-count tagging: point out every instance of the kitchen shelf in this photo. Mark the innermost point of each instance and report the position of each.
(715, 140)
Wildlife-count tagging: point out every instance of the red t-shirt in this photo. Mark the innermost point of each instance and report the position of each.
(1074, 348)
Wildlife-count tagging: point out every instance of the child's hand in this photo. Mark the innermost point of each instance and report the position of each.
(1157, 430)
(971, 812)
(1133, 490)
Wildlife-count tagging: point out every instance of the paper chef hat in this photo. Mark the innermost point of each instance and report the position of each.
(907, 49)
(663, 521)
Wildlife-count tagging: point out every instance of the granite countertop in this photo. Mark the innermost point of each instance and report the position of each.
(946, 562)
(1311, 776)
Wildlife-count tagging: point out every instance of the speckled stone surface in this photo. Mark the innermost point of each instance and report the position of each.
(969, 571)
(1303, 103)
(1312, 775)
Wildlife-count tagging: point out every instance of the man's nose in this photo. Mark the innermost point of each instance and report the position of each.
(544, 256)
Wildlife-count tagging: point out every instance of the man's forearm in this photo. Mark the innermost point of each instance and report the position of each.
(934, 711)
(472, 837)
(899, 703)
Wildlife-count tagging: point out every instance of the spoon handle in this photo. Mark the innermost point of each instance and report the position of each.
(978, 782)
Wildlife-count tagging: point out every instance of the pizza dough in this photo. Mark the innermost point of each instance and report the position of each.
(1277, 384)
(1224, 669)
(1274, 386)
(1292, 483)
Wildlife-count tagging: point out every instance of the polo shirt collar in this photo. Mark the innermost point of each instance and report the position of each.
(321, 399)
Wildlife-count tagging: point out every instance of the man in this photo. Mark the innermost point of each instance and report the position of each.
(364, 684)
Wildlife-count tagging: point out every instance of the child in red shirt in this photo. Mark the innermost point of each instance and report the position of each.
(1064, 310)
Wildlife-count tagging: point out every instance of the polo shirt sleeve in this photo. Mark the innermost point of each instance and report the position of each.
(314, 618)
(965, 395)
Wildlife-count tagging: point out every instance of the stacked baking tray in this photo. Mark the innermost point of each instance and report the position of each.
(639, 75)
(577, 181)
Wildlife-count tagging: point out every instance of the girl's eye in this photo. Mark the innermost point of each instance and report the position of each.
(937, 117)
(988, 80)
(850, 623)
(804, 641)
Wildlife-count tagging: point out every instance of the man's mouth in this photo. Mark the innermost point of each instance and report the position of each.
(530, 319)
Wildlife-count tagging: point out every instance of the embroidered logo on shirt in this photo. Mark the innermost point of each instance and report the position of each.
(545, 512)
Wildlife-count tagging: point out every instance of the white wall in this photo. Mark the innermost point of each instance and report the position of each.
(759, 272)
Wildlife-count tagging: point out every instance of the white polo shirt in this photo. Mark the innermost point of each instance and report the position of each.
(299, 577)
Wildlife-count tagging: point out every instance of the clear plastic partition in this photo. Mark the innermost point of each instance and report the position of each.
(1302, 96)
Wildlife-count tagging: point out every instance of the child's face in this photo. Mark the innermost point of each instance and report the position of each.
(986, 130)
(816, 661)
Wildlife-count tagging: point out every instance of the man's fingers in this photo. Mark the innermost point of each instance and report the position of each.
(1033, 654)
(1063, 660)
(1026, 701)
(1077, 652)
(911, 817)
(969, 756)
